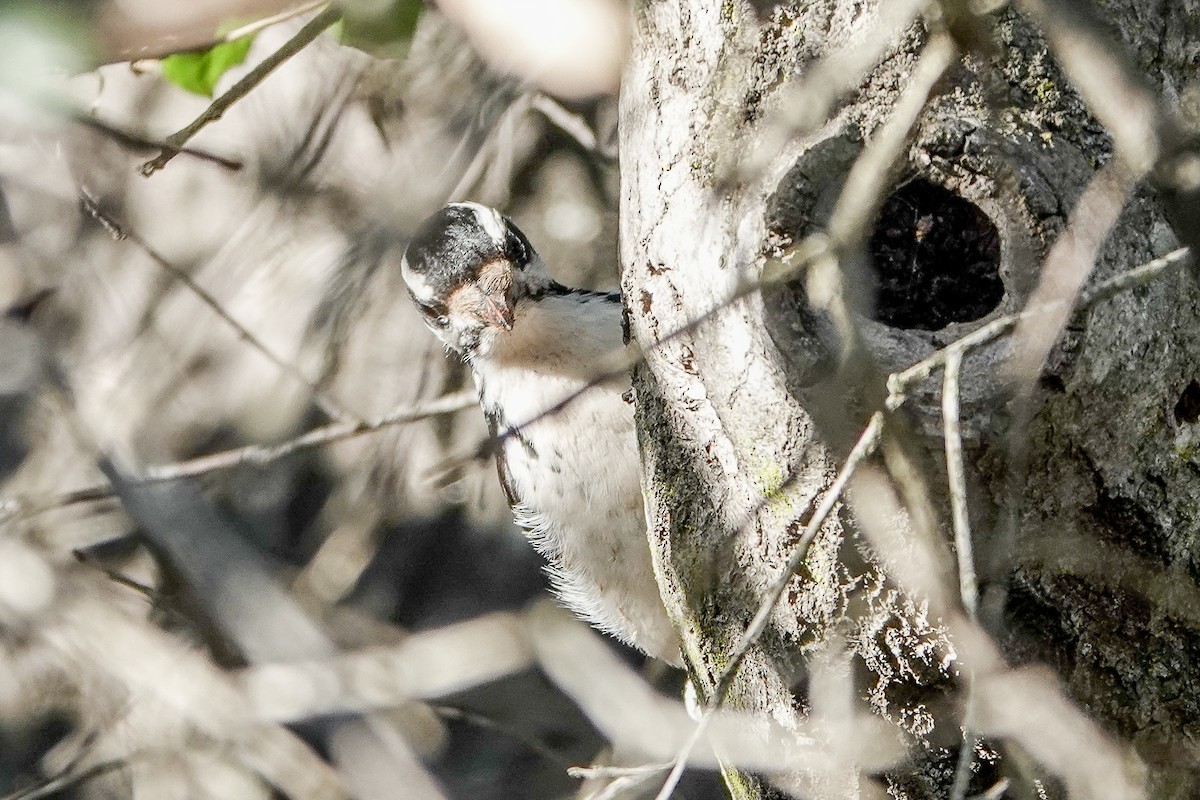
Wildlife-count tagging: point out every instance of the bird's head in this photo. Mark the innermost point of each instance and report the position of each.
(467, 268)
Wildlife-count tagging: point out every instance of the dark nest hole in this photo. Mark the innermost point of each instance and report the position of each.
(937, 259)
(1187, 410)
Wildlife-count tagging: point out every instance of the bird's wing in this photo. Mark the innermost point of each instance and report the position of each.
(506, 482)
(495, 424)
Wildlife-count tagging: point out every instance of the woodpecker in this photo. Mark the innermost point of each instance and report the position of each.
(571, 473)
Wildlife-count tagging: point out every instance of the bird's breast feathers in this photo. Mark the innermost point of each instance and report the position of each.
(573, 475)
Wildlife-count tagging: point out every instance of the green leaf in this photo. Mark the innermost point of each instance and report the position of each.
(199, 72)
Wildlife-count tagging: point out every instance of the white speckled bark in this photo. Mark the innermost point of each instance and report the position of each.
(1107, 517)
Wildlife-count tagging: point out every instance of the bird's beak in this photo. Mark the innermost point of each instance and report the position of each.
(486, 298)
(489, 307)
(493, 282)
(497, 311)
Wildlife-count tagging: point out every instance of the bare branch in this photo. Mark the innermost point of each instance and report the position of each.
(251, 455)
(1066, 269)
(311, 30)
(242, 596)
(571, 124)
(587, 773)
(489, 724)
(681, 758)
(118, 231)
(260, 455)
(430, 664)
(479, 163)
(967, 585)
(900, 382)
(138, 61)
(155, 668)
(137, 141)
(996, 791)
(633, 716)
(809, 102)
(867, 442)
(66, 781)
(842, 70)
(858, 204)
(957, 479)
(1116, 94)
(621, 786)
(1149, 135)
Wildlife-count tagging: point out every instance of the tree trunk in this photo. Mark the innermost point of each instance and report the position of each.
(1082, 482)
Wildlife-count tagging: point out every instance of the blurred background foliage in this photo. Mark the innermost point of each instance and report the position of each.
(241, 295)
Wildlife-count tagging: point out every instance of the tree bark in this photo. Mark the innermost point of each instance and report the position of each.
(1082, 484)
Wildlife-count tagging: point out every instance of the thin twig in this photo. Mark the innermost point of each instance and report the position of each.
(496, 183)
(13, 507)
(1098, 65)
(809, 101)
(899, 383)
(620, 788)
(995, 792)
(249, 29)
(966, 758)
(65, 780)
(260, 455)
(967, 585)
(864, 447)
(1064, 272)
(473, 144)
(483, 722)
(1066, 269)
(572, 124)
(252, 455)
(480, 161)
(86, 558)
(846, 66)
(132, 140)
(593, 773)
(120, 232)
(862, 194)
(311, 30)
(680, 762)
(856, 209)
(319, 133)
(620, 779)
(1148, 133)
(957, 480)
(858, 204)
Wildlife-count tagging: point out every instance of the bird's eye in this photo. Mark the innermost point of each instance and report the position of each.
(434, 312)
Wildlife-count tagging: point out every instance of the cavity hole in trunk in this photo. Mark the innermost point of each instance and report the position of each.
(937, 259)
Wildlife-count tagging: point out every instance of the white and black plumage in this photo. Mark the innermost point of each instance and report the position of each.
(571, 476)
